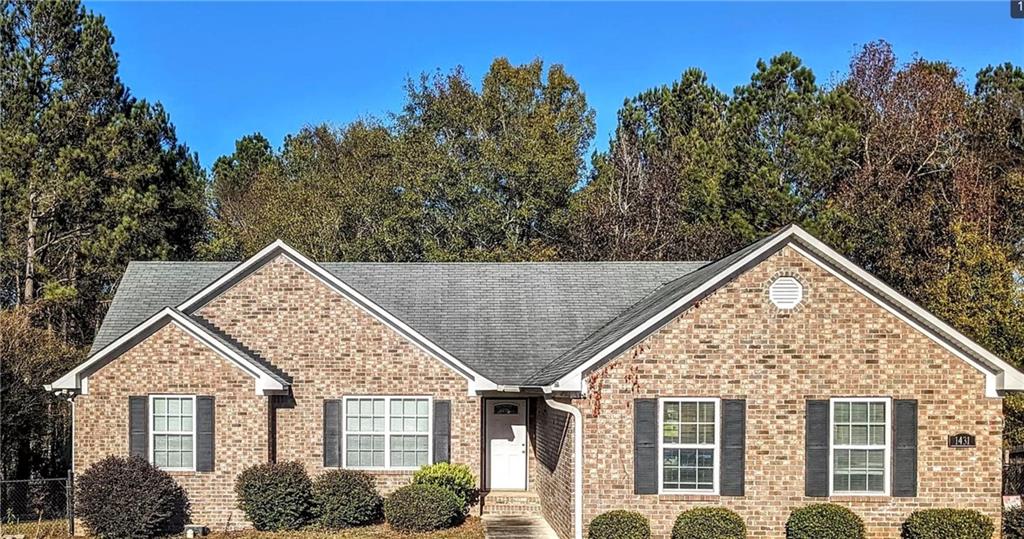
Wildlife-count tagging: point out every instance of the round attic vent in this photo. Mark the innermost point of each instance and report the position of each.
(786, 292)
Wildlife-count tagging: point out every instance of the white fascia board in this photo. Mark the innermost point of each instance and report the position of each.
(77, 379)
(574, 380)
(364, 303)
(1000, 375)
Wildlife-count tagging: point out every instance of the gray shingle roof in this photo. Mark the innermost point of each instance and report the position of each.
(505, 321)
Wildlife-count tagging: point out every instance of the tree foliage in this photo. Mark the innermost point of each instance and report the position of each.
(34, 424)
(903, 167)
(458, 174)
(90, 177)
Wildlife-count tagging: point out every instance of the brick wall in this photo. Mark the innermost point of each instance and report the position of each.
(171, 361)
(736, 344)
(331, 348)
(553, 446)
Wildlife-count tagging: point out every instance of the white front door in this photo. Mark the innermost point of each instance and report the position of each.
(506, 444)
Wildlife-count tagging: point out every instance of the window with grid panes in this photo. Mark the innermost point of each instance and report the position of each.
(387, 432)
(173, 432)
(860, 433)
(689, 444)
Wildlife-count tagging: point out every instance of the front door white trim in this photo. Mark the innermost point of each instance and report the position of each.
(506, 441)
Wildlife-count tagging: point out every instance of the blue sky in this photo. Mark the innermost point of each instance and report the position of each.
(224, 70)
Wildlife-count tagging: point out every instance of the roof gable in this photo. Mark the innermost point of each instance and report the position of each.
(267, 380)
(653, 312)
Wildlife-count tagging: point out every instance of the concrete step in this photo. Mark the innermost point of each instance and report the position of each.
(517, 527)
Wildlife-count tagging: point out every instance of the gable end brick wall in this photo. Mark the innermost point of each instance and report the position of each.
(171, 361)
(736, 344)
(331, 348)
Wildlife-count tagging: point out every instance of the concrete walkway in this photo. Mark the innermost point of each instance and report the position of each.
(517, 527)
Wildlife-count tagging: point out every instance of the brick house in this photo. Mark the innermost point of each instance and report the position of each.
(778, 376)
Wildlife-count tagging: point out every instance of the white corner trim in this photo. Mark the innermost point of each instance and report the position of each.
(577, 474)
(77, 379)
(376, 311)
(1000, 375)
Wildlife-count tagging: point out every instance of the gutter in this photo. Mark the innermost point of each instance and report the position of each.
(577, 423)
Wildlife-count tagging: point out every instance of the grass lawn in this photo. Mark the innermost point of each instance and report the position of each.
(33, 529)
(471, 529)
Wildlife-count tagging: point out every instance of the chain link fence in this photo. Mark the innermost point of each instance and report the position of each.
(33, 500)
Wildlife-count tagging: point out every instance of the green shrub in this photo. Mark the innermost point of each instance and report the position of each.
(129, 497)
(455, 477)
(275, 496)
(709, 523)
(824, 521)
(1013, 523)
(346, 498)
(619, 525)
(948, 524)
(422, 508)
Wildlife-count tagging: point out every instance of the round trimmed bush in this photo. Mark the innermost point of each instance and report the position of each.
(129, 497)
(346, 498)
(455, 477)
(276, 496)
(619, 525)
(422, 508)
(1013, 523)
(709, 523)
(948, 524)
(824, 521)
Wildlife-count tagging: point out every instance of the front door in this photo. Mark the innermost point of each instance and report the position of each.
(506, 444)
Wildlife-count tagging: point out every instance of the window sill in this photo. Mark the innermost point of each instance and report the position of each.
(379, 471)
(690, 497)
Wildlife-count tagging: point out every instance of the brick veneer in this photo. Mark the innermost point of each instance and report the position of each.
(331, 348)
(736, 344)
(733, 344)
(553, 445)
(328, 346)
(171, 361)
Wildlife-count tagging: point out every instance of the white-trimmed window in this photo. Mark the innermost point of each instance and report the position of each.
(172, 432)
(860, 441)
(387, 432)
(689, 445)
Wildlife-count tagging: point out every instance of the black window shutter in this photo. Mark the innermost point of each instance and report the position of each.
(205, 444)
(904, 448)
(645, 446)
(816, 450)
(442, 430)
(138, 426)
(332, 433)
(734, 441)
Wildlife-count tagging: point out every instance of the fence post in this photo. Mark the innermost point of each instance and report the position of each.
(70, 497)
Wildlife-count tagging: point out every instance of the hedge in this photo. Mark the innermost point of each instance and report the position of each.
(948, 524)
(346, 498)
(709, 523)
(824, 521)
(457, 478)
(422, 508)
(276, 496)
(129, 497)
(619, 525)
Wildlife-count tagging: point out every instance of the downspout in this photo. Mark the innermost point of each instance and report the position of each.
(577, 423)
